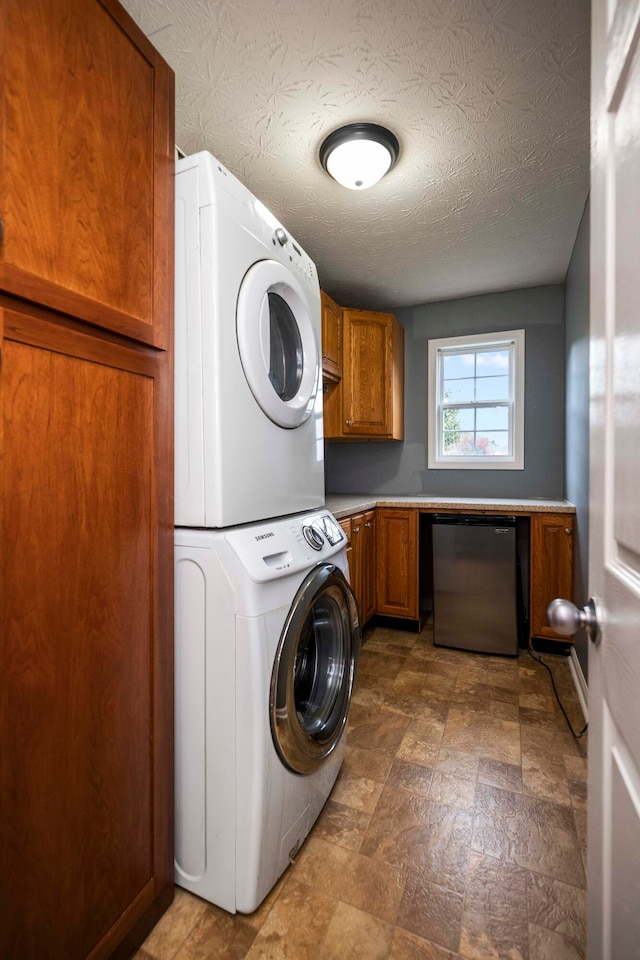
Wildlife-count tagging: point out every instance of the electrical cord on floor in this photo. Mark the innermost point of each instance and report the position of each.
(538, 659)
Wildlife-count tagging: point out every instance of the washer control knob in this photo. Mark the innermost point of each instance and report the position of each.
(313, 537)
(281, 236)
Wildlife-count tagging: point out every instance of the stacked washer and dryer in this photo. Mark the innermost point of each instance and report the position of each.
(267, 631)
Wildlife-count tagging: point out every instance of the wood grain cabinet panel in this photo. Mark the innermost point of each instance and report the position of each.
(86, 648)
(551, 572)
(331, 337)
(345, 523)
(368, 383)
(86, 446)
(397, 562)
(368, 568)
(356, 559)
(87, 195)
(360, 530)
(368, 402)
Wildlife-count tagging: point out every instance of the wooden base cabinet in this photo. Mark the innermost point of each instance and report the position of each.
(361, 552)
(551, 573)
(368, 402)
(397, 562)
(369, 566)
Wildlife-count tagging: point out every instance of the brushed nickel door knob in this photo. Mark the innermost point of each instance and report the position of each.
(566, 619)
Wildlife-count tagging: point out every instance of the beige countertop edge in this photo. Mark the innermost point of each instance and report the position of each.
(341, 505)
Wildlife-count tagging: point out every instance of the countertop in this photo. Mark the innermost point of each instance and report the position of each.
(341, 505)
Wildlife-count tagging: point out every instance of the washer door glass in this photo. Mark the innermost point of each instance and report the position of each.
(314, 670)
(277, 343)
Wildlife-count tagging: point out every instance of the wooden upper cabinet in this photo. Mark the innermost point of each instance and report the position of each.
(331, 338)
(373, 376)
(551, 571)
(368, 403)
(85, 186)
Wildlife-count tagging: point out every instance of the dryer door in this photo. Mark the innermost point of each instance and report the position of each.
(277, 343)
(314, 670)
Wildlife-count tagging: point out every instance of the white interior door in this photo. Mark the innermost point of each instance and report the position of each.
(614, 564)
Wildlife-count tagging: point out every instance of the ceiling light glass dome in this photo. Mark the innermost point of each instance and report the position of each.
(359, 154)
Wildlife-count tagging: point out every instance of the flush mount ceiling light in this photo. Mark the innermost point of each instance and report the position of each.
(359, 155)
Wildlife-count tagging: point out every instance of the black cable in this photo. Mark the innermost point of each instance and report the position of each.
(538, 659)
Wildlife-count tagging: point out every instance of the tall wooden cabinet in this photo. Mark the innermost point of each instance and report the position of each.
(86, 389)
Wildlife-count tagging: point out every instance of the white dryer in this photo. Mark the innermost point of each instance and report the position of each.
(267, 638)
(248, 438)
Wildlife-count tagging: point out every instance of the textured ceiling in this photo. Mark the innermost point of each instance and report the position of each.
(488, 98)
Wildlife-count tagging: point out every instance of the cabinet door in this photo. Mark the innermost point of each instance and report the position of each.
(551, 568)
(86, 653)
(87, 195)
(368, 360)
(357, 543)
(345, 523)
(331, 337)
(368, 565)
(397, 562)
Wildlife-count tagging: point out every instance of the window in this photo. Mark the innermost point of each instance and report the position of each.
(476, 402)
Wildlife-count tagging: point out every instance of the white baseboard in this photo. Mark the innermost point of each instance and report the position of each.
(579, 682)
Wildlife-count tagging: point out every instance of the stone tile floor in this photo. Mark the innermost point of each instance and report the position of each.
(456, 829)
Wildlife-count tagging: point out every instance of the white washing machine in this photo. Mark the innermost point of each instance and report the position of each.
(248, 440)
(267, 638)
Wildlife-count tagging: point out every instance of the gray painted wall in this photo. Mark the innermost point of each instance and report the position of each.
(577, 414)
(401, 468)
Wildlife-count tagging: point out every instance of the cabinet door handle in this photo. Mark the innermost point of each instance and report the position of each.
(567, 530)
(367, 524)
(356, 529)
(348, 422)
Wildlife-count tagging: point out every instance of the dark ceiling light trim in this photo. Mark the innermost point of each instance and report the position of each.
(360, 136)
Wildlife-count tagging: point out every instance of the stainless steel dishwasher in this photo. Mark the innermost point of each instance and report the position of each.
(474, 583)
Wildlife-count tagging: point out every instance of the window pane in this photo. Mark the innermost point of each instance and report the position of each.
(457, 365)
(492, 444)
(454, 418)
(475, 397)
(458, 444)
(492, 418)
(492, 388)
(460, 391)
(492, 363)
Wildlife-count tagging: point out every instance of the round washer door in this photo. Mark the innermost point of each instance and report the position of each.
(314, 670)
(277, 344)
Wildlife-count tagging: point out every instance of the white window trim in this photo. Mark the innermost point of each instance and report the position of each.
(515, 461)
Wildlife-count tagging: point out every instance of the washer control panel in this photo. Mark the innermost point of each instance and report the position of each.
(313, 537)
(332, 531)
(284, 545)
